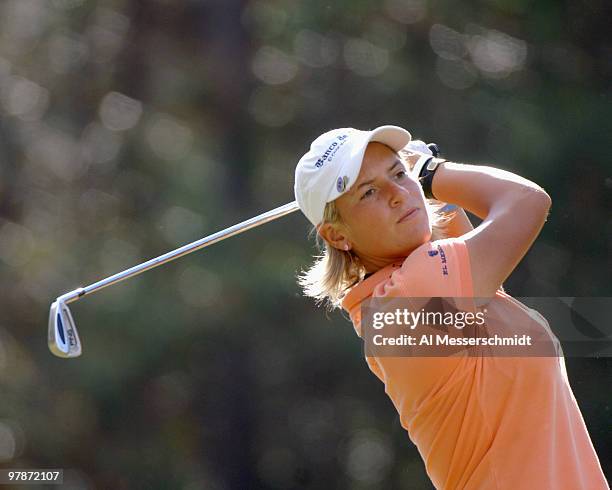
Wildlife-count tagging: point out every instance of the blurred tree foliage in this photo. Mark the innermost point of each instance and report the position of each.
(129, 127)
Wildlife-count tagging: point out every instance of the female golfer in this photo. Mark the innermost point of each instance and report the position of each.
(479, 421)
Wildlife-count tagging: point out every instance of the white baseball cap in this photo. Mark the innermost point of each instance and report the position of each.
(332, 165)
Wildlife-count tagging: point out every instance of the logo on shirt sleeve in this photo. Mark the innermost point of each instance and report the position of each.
(440, 251)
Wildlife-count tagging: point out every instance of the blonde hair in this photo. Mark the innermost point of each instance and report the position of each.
(335, 271)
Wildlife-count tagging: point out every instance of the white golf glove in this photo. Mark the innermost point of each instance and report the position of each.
(418, 146)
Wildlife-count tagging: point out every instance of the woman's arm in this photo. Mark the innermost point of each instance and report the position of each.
(459, 225)
(513, 210)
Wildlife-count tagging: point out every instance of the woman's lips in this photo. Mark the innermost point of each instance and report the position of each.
(409, 215)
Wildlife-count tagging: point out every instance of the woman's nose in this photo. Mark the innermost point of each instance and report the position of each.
(396, 194)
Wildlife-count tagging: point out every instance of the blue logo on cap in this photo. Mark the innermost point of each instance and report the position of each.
(341, 183)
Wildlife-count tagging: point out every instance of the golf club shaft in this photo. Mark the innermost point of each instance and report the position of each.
(184, 250)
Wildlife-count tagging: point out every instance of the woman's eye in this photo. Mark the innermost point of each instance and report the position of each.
(367, 193)
(401, 174)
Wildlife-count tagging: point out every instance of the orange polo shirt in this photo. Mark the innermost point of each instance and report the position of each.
(482, 422)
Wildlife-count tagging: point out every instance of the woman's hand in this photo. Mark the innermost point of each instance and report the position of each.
(416, 149)
(411, 159)
(413, 151)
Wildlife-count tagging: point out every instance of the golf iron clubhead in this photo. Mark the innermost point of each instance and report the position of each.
(63, 337)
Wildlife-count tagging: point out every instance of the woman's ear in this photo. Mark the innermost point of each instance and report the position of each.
(335, 236)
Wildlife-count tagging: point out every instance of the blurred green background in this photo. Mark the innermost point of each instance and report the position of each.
(131, 127)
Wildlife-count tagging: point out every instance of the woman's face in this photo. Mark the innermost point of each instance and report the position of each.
(374, 211)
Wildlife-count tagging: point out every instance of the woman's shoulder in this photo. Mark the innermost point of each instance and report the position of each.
(435, 268)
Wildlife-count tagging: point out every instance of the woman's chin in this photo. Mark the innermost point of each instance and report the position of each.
(418, 237)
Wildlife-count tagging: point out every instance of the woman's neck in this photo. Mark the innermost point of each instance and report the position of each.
(373, 265)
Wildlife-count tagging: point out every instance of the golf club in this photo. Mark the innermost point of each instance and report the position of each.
(63, 337)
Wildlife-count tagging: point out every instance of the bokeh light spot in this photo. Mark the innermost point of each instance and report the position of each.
(273, 67)
(168, 138)
(447, 43)
(119, 112)
(496, 54)
(364, 58)
(314, 49)
(369, 456)
(25, 99)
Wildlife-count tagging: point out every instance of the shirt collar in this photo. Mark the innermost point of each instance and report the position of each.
(363, 289)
